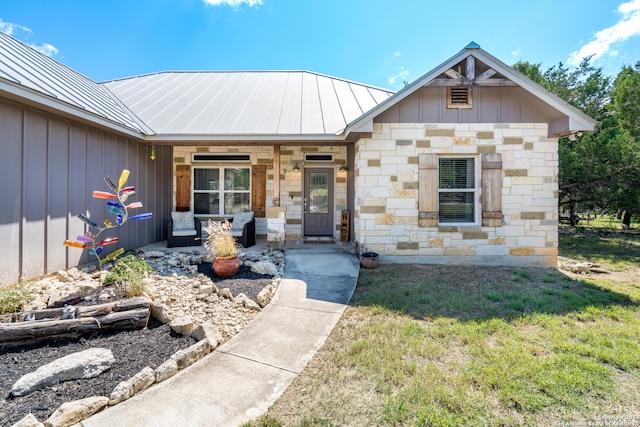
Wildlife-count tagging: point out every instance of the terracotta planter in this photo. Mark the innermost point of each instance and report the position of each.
(226, 266)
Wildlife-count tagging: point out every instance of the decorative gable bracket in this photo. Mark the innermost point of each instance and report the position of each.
(451, 77)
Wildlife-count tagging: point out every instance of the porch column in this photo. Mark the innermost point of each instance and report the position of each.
(276, 227)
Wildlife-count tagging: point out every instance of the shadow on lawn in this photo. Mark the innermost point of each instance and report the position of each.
(478, 293)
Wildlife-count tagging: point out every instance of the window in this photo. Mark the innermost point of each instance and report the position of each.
(448, 190)
(459, 97)
(221, 190)
(456, 190)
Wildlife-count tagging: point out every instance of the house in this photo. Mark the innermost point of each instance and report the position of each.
(458, 167)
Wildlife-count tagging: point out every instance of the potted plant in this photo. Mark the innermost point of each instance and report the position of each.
(368, 259)
(223, 248)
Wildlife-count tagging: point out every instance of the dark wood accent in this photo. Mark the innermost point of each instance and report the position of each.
(259, 190)
(183, 188)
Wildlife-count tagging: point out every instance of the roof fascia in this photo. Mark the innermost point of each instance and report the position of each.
(18, 92)
(365, 122)
(182, 139)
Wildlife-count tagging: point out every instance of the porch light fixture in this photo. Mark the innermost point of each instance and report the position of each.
(343, 168)
(296, 168)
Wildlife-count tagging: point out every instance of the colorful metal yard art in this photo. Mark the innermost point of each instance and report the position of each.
(117, 204)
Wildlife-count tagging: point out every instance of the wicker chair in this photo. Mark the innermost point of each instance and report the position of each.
(243, 228)
(183, 230)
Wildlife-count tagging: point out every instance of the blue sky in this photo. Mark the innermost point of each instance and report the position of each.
(381, 43)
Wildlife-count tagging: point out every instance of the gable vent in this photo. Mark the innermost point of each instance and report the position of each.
(459, 97)
(221, 158)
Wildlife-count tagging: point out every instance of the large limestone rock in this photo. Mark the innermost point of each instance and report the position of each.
(136, 383)
(265, 295)
(72, 412)
(183, 325)
(28, 421)
(84, 364)
(247, 302)
(168, 369)
(190, 355)
(265, 267)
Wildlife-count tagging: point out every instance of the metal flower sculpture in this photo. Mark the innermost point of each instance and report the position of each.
(117, 204)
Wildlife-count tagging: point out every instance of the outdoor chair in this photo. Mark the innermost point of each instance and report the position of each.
(183, 230)
(243, 228)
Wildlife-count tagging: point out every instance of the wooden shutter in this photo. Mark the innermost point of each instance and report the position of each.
(491, 189)
(259, 190)
(183, 188)
(428, 190)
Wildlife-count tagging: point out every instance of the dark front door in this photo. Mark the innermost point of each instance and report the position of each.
(318, 202)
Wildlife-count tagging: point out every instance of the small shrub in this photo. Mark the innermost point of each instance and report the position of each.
(128, 275)
(13, 298)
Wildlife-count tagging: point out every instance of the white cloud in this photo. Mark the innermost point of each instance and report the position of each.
(46, 48)
(627, 26)
(234, 3)
(396, 53)
(11, 29)
(402, 74)
(517, 51)
(22, 33)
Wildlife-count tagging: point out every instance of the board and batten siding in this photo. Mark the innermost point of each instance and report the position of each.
(48, 169)
(490, 105)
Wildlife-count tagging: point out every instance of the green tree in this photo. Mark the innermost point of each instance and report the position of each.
(626, 108)
(597, 168)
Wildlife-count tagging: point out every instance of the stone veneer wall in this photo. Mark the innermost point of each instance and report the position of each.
(290, 181)
(386, 190)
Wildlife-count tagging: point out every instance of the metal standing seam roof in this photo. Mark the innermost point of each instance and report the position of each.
(245, 103)
(26, 66)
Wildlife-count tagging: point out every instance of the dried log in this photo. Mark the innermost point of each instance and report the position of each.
(126, 314)
(122, 305)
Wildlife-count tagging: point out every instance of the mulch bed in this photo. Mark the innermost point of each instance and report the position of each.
(133, 350)
(246, 281)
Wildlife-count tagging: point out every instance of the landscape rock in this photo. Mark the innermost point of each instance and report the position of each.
(226, 293)
(161, 312)
(247, 302)
(265, 295)
(72, 412)
(168, 369)
(84, 364)
(265, 267)
(190, 355)
(153, 254)
(29, 421)
(183, 325)
(133, 385)
(208, 331)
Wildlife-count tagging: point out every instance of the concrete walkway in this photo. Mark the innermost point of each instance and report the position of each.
(243, 377)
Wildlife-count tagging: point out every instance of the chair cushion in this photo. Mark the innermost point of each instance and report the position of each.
(240, 219)
(183, 221)
(182, 233)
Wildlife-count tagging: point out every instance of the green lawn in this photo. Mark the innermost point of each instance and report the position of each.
(426, 345)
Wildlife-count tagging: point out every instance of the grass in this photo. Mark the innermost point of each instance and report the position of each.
(128, 276)
(14, 297)
(429, 345)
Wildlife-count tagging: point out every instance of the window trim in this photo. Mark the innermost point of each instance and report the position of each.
(476, 192)
(221, 191)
